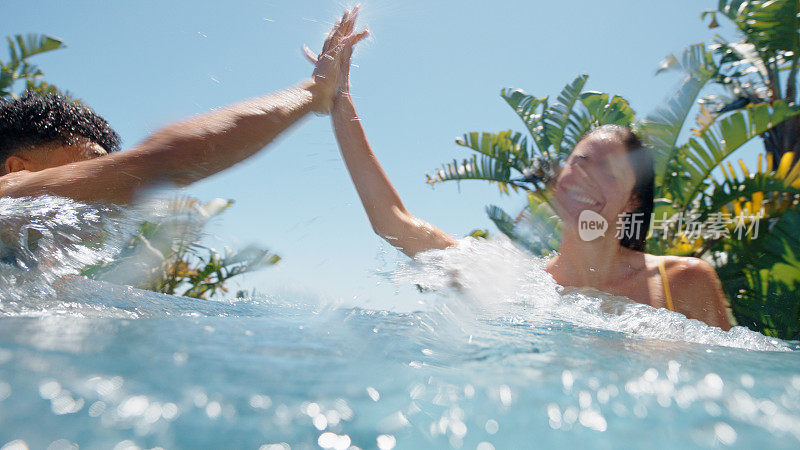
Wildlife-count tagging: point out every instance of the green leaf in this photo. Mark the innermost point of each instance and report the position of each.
(733, 189)
(23, 46)
(742, 56)
(603, 111)
(762, 278)
(41, 87)
(509, 147)
(662, 127)
(479, 233)
(531, 110)
(500, 154)
(688, 172)
(731, 8)
(503, 221)
(537, 228)
(771, 25)
(166, 255)
(556, 118)
(618, 112)
(508, 226)
(487, 169)
(7, 78)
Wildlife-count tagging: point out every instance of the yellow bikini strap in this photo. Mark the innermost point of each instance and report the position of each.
(665, 283)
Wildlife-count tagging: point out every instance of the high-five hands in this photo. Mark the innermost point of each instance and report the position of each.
(332, 65)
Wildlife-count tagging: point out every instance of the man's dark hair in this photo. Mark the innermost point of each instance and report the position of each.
(35, 119)
(641, 159)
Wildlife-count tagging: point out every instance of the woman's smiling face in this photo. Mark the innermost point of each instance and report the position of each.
(598, 176)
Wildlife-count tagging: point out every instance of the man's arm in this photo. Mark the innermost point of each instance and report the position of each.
(180, 154)
(193, 149)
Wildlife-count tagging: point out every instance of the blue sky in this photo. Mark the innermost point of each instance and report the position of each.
(431, 71)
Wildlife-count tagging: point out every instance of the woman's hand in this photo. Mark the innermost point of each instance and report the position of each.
(332, 65)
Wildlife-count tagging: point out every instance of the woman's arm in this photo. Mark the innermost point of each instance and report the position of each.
(386, 212)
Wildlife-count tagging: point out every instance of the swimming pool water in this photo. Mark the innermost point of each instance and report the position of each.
(500, 359)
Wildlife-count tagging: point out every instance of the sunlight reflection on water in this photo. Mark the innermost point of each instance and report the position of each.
(501, 357)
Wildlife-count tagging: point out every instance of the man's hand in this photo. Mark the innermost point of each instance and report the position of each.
(332, 66)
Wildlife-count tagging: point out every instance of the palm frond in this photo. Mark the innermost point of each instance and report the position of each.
(687, 172)
(167, 254)
(771, 191)
(731, 8)
(23, 46)
(20, 48)
(762, 277)
(503, 221)
(531, 110)
(487, 169)
(502, 155)
(741, 56)
(508, 146)
(662, 127)
(536, 228)
(556, 119)
(750, 194)
(771, 25)
(605, 111)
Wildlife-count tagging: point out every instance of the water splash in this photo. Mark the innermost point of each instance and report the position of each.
(500, 354)
(46, 242)
(45, 239)
(498, 279)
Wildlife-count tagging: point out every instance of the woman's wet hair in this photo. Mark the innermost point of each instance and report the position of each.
(641, 160)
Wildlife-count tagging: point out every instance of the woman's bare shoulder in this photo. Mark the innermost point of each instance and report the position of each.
(697, 290)
(688, 268)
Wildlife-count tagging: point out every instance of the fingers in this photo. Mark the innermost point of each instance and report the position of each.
(354, 39)
(335, 35)
(350, 22)
(331, 37)
(340, 40)
(342, 29)
(350, 40)
(310, 55)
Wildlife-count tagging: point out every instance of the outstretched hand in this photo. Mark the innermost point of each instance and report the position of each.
(332, 65)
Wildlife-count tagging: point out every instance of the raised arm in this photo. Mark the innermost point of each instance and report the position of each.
(193, 149)
(179, 154)
(386, 212)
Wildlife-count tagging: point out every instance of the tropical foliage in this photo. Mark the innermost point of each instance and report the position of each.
(18, 70)
(695, 174)
(761, 65)
(760, 275)
(166, 254)
(527, 163)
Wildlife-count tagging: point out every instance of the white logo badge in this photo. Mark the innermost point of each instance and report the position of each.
(591, 225)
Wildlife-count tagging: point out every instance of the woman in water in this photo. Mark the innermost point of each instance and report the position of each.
(608, 172)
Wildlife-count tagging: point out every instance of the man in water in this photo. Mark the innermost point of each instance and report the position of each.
(49, 145)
